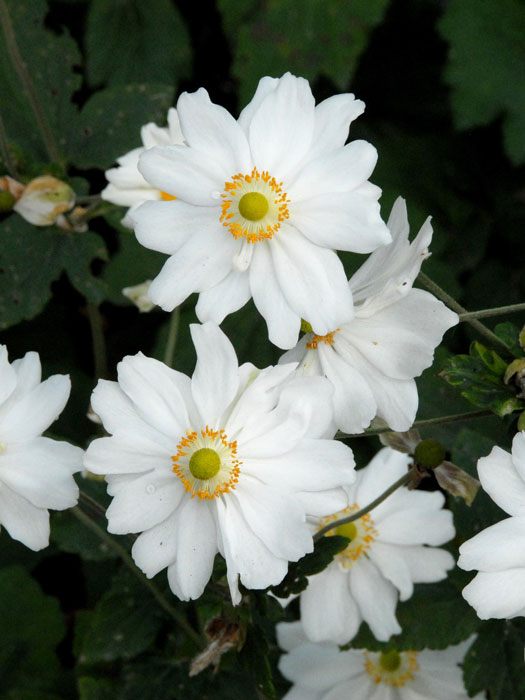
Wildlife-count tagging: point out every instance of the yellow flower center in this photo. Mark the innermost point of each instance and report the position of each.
(206, 463)
(166, 197)
(253, 206)
(392, 667)
(361, 534)
(327, 339)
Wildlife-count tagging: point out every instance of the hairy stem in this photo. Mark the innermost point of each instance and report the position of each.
(359, 514)
(98, 341)
(496, 311)
(23, 74)
(128, 561)
(460, 310)
(169, 353)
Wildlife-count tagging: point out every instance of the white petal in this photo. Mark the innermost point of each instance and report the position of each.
(151, 387)
(281, 130)
(153, 135)
(418, 525)
(42, 472)
(265, 86)
(184, 173)
(34, 411)
(332, 122)
(501, 480)
(114, 455)
(28, 373)
(226, 297)
(328, 611)
(341, 220)
(518, 453)
(339, 170)
(498, 547)
(290, 635)
(283, 322)
(361, 689)
(376, 598)
(354, 404)
(313, 281)
(24, 521)
(319, 668)
(155, 549)
(498, 594)
(166, 226)
(215, 380)
(144, 502)
(202, 262)
(386, 467)
(211, 130)
(196, 548)
(7, 375)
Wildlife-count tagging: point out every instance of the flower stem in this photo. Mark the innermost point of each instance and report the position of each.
(496, 311)
(359, 514)
(460, 310)
(169, 353)
(6, 154)
(23, 74)
(128, 561)
(97, 339)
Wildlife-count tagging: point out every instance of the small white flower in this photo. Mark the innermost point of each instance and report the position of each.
(36, 473)
(230, 461)
(323, 672)
(261, 205)
(498, 552)
(138, 294)
(386, 555)
(126, 186)
(372, 360)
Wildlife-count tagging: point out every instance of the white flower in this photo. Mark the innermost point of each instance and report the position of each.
(384, 559)
(44, 200)
(138, 294)
(322, 672)
(230, 461)
(372, 360)
(498, 552)
(36, 473)
(261, 204)
(126, 186)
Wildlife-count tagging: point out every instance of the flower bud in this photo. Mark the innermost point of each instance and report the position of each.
(139, 296)
(44, 199)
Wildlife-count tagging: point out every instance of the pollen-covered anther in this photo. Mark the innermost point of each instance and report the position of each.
(253, 206)
(360, 532)
(206, 463)
(392, 667)
(166, 197)
(327, 339)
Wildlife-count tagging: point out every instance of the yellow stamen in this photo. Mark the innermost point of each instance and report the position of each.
(392, 667)
(328, 339)
(166, 197)
(361, 534)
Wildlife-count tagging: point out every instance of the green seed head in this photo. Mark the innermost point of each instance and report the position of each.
(306, 327)
(390, 660)
(429, 453)
(253, 206)
(348, 530)
(6, 200)
(205, 463)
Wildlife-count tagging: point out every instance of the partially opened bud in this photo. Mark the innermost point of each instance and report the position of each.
(44, 199)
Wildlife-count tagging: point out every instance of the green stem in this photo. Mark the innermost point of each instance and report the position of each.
(169, 353)
(4, 146)
(98, 341)
(23, 74)
(359, 514)
(460, 310)
(497, 311)
(128, 561)
(423, 423)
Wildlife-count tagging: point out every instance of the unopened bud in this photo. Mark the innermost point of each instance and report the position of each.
(139, 296)
(44, 199)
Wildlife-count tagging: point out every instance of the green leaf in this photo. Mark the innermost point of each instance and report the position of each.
(124, 623)
(31, 258)
(254, 657)
(32, 626)
(310, 38)
(110, 121)
(49, 60)
(295, 580)
(435, 617)
(495, 663)
(129, 41)
(486, 67)
(96, 689)
(479, 378)
(70, 535)
(509, 334)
